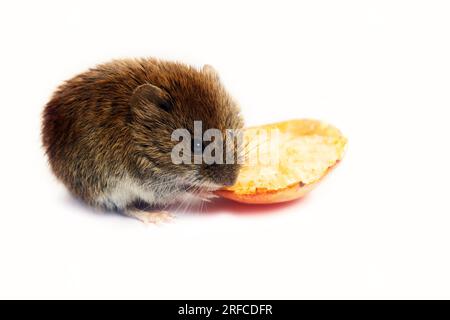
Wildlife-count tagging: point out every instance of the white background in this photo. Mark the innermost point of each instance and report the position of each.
(377, 227)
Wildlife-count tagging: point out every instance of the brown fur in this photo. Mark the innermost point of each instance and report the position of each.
(97, 127)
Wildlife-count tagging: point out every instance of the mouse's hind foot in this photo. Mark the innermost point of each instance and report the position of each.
(150, 217)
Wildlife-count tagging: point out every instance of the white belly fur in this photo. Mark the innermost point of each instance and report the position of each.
(124, 192)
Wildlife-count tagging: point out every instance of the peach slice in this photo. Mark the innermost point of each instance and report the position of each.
(285, 160)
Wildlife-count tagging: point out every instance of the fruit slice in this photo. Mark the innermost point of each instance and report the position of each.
(285, 160)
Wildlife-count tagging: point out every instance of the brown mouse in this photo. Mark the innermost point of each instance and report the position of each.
(107, 134)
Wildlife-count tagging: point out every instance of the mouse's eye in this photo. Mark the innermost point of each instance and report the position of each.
(197, 146)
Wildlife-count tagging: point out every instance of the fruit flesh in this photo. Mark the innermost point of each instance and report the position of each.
(305, 150)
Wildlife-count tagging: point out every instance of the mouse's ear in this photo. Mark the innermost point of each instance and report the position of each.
(210, 71)
(150, 95)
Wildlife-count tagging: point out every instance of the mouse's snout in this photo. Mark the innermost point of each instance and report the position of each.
(229, 180)
(223, 174)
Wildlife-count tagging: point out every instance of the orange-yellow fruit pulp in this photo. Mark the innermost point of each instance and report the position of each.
(285, 160)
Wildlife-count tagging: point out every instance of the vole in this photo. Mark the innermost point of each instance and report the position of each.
(107, 134)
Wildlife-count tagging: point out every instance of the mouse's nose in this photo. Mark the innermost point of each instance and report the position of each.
(225, 174)
(229, 180)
